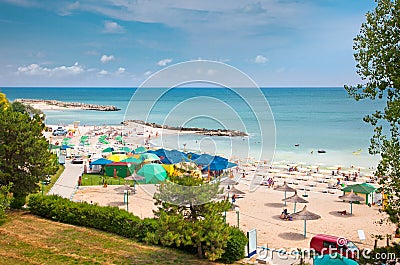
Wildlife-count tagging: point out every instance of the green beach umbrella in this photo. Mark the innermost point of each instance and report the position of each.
(140, 149)
(333, 259)
(125, 148)
(108, 150)
(153, 173)
(148, 157)
(132, 160)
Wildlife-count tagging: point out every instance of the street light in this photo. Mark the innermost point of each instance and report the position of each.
(126, 199)
(237, 214)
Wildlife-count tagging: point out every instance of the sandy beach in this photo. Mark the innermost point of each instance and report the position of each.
(258, 209)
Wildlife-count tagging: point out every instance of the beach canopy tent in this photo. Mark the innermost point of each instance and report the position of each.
(139, 150)
(149, 157)
(173, 157)
(125, 148)
(121, 169)
(203, 159)
(153, 173)
(333, 259)
(132, 160)
(219, 165)
(363, 190)
(101, 162)
(192, 155)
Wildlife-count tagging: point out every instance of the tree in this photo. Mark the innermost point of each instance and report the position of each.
(377, 53)
(189, 217)
(3, 101)
(24, 155)
(22, 108)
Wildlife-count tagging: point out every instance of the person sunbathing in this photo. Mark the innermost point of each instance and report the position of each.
(343, 212)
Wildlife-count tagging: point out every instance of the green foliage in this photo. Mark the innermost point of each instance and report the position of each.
(377, 53)
(214, 238)
(110, 219)
(235, 246)
(3, 101)
(22, 108)
(189, 217)
(24, 155)
(5, 200)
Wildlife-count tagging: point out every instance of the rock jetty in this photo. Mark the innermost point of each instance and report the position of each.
(204, 131)
(83, 106)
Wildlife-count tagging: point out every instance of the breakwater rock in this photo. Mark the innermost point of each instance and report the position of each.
(75, 105)
(204, 131)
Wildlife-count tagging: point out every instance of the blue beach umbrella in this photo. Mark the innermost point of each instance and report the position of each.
(101, 162)
(174, 157)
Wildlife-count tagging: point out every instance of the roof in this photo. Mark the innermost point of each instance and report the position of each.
(362, 188)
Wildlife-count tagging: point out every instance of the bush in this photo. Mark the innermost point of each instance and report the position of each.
(109, 219)
(18, 201)
(120, 222)
(235, 246)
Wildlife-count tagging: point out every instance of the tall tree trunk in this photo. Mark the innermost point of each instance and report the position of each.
(199, 251)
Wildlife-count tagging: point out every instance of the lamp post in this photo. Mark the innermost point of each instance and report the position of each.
(237, 214)
(126, 199)
(42, 187)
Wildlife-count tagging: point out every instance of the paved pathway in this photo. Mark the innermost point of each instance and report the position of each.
(68, 180)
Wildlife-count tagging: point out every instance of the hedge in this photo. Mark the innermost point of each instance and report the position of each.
(117, 221)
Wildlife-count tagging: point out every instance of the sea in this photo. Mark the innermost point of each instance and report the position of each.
(284, 125)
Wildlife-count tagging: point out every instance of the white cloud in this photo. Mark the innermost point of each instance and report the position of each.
(103, 72)
(147, 73)
(37, 70)
(260, 59)
(164, 62)
(107, 58)
(120, 71)
(112, 27)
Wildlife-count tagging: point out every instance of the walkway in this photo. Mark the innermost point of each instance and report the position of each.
(67, 181)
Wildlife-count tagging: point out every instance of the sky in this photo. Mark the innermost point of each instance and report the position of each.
(120, 43)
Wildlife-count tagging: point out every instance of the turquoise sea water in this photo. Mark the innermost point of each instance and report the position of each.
(314, 118)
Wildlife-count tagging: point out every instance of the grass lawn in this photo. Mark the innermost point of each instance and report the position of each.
(96, 179)
(28, 239)
(54, 179)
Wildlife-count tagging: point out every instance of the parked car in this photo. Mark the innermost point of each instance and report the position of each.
(60, 131)
(77, 160)
(327, 244)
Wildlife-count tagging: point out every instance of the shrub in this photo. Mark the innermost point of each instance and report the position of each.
(235, 246)
(109, 219)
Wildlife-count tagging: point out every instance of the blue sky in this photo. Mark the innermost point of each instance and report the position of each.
(122, 42)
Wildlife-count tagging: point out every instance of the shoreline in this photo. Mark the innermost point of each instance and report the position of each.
(260, 208)
(47, 104)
